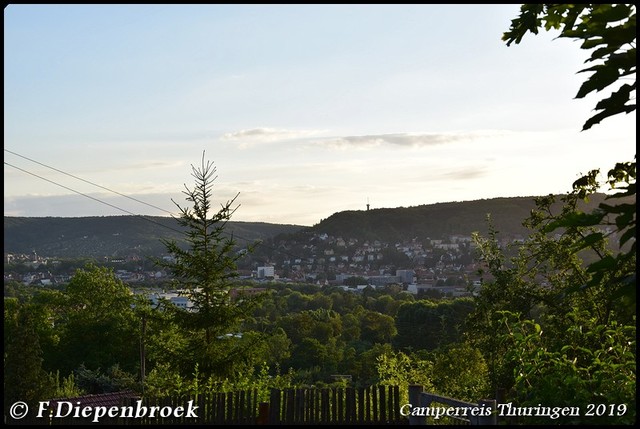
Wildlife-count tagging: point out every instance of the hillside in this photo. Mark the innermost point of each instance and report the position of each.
(118, 236)
(436, 221)
(112, 235)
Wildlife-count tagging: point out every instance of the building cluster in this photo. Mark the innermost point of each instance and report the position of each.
(37, 270)
(181, 298)
(447, 266)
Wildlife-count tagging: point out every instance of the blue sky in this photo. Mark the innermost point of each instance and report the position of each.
(306, 110)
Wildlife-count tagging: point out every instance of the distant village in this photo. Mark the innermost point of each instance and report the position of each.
(444, 265)
(432, 267)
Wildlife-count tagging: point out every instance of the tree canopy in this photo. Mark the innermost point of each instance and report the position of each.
(556, 323)
(609, 30)
(204, 272)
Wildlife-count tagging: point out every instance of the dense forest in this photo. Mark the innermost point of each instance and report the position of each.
(113, 236)
(435, 220)
(313, 333)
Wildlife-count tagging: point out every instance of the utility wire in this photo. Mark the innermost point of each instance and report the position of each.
(93, 198)
(260, 243)
(89, 182)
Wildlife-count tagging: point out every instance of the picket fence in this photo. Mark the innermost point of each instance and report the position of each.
(442, 410)
(303, 406)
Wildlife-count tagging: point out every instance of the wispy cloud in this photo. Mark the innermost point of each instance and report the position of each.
(250, 137)
(253, 136)
(411, 140)
(466, 173)
(446, 174)
(153, 164)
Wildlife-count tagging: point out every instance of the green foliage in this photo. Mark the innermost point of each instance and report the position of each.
(553, 324)
(274, 350)
(312, 332)
(558, 321)
(262, 378)
(536, 283)
(67, 388)
(355, 281)
(400, 369)
(318, 324)
(24, 377)
(395, 258)
(376, 327)
(598, 367)
(165, 381)
(15, 289)
(204, 272)
(163, 339)
(428, 325)
(609, 30)
(96, 382)
(617, 270)
(364, 368)
(459, 371)
(95, 321)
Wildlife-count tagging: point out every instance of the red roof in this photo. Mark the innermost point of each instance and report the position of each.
(103, 399)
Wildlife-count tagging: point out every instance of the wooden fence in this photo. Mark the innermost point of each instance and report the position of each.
(353, 406)
(366, 405)
(229, 408)
(430, 409)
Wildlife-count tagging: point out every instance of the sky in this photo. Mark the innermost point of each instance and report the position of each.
(305, 110)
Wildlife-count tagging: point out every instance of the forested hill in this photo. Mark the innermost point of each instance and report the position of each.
(113, 235)
(125, 235)
(436, 221)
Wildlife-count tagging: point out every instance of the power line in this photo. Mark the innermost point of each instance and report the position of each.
(259, 243)
(89, 196)
(89, 182)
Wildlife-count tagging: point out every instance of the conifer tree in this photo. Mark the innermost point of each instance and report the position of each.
(204, 271)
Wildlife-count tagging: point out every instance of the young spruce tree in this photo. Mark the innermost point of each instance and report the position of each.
(204, 272)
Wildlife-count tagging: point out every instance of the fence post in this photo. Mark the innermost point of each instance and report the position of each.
(491, 419)
(263, 413)
(415, 390)
(275, 407)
